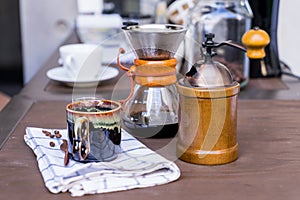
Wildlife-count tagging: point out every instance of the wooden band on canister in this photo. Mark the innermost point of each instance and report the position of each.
(208, 124)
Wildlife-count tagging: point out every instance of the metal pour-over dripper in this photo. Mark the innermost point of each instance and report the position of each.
(154, 41)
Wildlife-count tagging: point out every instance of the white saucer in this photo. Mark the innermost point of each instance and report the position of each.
(59, 74)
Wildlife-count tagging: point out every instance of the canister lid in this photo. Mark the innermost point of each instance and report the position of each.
(208, 73)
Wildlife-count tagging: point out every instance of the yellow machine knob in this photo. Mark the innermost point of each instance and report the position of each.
(255, 40)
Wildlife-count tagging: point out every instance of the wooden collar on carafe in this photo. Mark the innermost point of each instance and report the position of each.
(154, 72)
(168, 63)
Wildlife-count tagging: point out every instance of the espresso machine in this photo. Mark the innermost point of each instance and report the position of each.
(265, 14)
(151, 110)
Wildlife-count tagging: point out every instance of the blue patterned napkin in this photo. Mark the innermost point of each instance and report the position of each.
(135, 167)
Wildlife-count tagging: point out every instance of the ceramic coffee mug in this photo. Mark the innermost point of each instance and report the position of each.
(94, 130)
(81, 61)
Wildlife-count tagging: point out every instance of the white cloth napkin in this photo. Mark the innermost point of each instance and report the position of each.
(135, 167)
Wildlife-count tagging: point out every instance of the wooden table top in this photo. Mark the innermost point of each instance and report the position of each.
(268, 166)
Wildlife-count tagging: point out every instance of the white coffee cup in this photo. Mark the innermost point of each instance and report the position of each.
(81, 61)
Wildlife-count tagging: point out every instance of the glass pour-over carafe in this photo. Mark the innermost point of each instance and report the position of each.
(152, 108)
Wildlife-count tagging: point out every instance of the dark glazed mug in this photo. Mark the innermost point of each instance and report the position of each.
(94, 130)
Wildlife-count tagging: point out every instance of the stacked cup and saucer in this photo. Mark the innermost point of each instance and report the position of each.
(81, 66)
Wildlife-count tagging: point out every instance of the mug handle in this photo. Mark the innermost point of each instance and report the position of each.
(60, 61)
(68, 62)
(129, 74)
(81, 144)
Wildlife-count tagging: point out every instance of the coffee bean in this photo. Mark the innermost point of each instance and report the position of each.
(52, 144)
(66, 159)
(47, 133)
(64, 148)
(57, 134)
